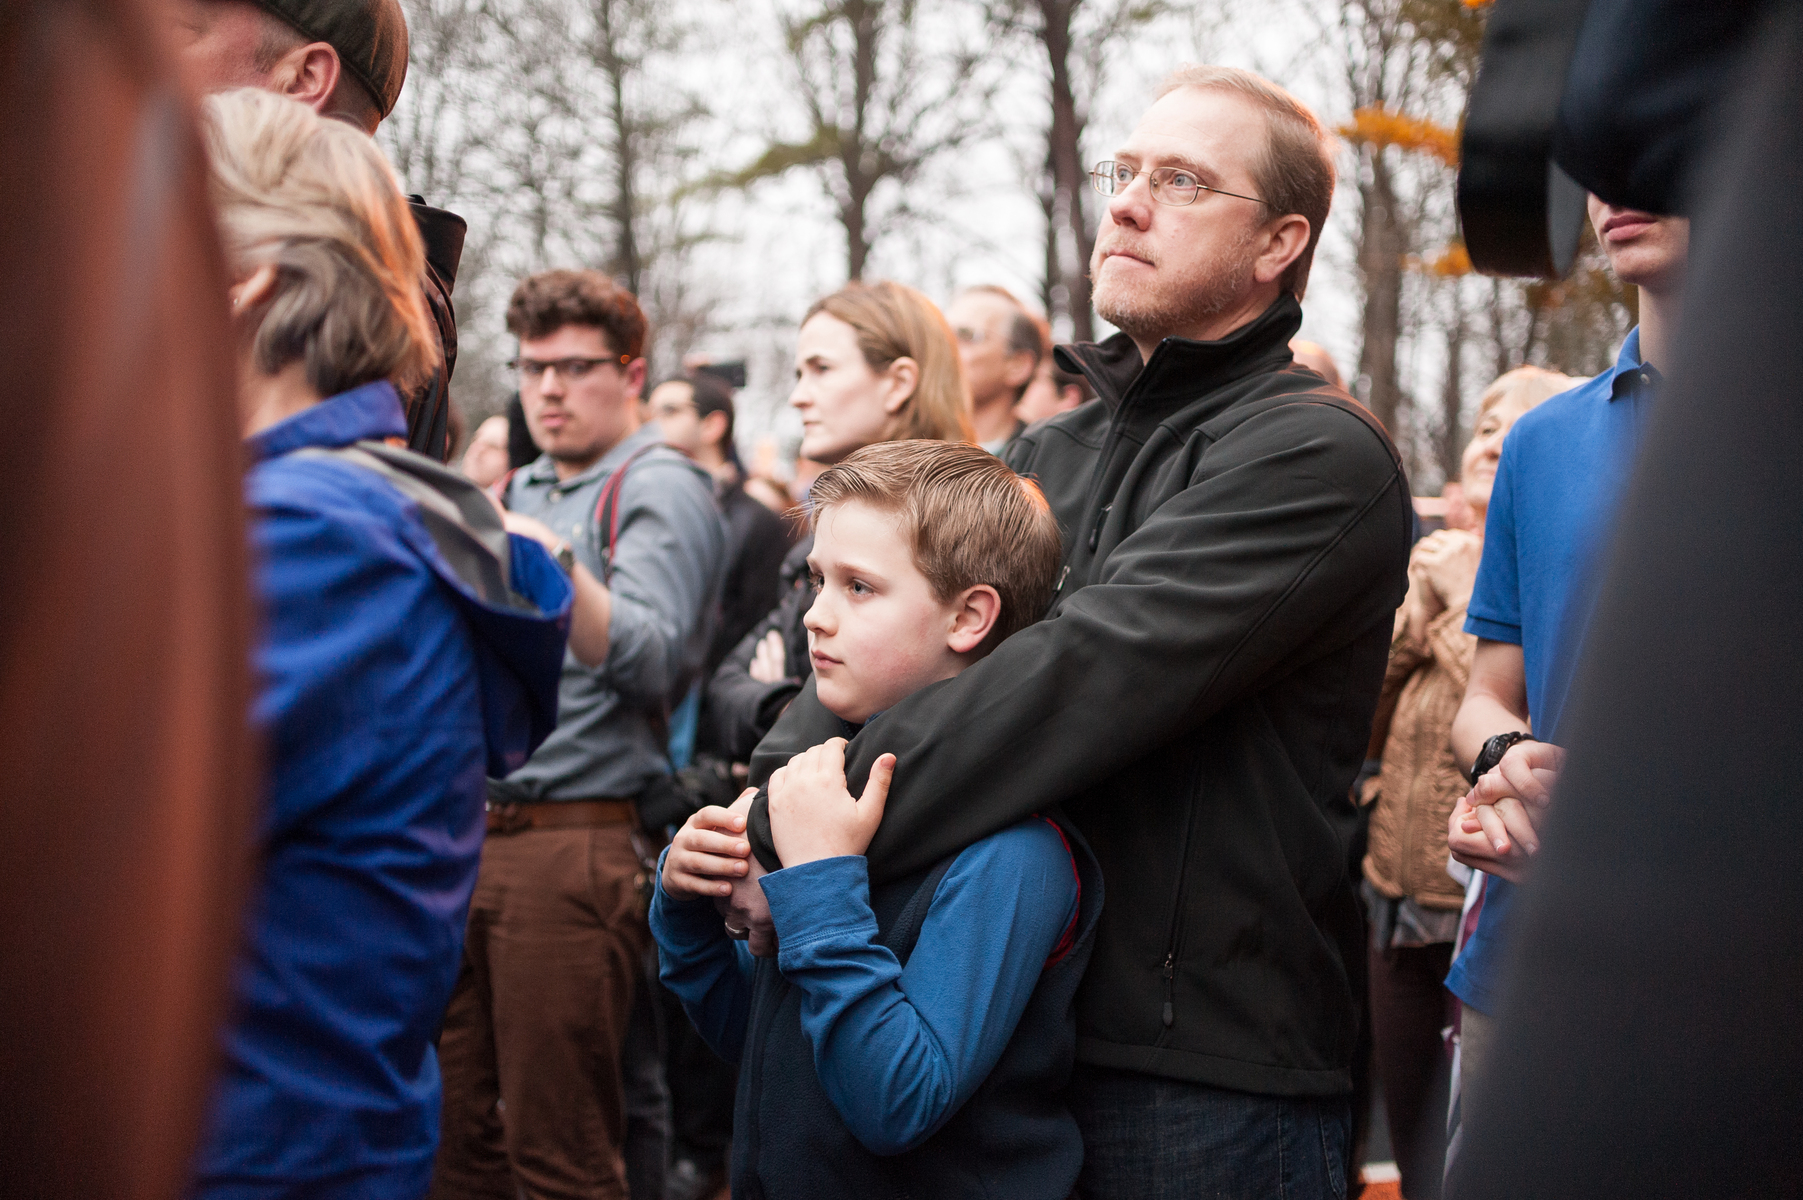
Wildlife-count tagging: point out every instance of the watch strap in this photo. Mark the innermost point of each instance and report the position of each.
(1493, 752)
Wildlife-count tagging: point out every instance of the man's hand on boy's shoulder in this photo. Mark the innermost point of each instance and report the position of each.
(708, 852)
(812, 813)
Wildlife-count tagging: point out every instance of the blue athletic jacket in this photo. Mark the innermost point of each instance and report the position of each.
(391, 687)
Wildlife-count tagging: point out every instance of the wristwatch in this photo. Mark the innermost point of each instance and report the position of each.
(1493, 752)
(565, 554)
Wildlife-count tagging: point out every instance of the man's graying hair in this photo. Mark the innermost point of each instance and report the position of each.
(1295, 172)
(315, 199)
(1024, 336)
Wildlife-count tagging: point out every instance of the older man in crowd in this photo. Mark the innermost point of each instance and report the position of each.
(344, 59)
(1237, 539)
(999, 341)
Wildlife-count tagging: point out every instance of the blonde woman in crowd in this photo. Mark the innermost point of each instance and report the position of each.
(1412, 902)
(873, 363)
(410, 646)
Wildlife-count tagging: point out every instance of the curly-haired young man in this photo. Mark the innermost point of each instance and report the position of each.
(531, 1045)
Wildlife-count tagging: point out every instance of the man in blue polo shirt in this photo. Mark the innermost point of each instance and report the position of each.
(1563, 470)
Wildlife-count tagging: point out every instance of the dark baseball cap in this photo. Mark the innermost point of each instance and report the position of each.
(369, 35)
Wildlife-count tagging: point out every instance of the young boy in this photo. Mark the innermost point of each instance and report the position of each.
(913, 1037)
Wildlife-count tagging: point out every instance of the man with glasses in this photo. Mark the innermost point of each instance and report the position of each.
(1200, 696)
(1000, 344)
(532, 1038)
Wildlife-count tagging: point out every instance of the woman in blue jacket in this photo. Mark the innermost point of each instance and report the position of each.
(410, 647)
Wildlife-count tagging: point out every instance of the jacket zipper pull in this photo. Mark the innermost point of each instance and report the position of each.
(1170, 986)
(1095, 535)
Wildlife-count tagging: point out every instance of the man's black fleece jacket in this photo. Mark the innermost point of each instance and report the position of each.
(1198, 697)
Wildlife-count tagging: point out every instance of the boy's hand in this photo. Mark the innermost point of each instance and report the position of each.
(707, 853)
(747, 912)
(813, 816)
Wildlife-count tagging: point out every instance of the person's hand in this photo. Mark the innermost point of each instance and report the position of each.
(768, 663)
(1495, 828)
(731, 881)
(813, 815)
(1413, 614)
(1422, 603)
(533, 528)
(707, 853)
(1470, 844)
(1447, 561)
(747, 911)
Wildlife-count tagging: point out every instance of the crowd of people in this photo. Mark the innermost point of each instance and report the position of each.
(1053, 789)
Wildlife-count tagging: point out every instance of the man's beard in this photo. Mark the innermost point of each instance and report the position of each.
(1175, 303)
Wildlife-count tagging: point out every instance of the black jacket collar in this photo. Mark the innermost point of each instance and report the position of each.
(1182, 369)
(443, 233)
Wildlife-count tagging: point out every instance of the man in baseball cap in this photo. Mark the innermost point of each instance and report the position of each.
(346, 59)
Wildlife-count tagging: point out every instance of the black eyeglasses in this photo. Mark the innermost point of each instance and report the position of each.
(1170, 185)
(570, 368)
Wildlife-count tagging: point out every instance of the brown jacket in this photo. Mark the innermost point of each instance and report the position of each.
(1421, 781)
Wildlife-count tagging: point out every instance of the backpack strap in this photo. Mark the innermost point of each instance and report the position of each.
(607, 507)
(498, 489)
(1067, 941)
(903, 935)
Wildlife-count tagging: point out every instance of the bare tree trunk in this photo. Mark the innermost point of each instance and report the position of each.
(1051, 287)
(857, 244)
(628, 265)
(865, 19)
(1535, 294)
(1381, 247)
(1452, 391)
(1496, 328)
(1069, 178)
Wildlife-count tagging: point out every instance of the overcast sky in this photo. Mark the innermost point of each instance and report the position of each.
(780, 247)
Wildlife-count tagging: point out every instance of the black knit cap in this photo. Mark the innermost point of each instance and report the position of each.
(369, 35)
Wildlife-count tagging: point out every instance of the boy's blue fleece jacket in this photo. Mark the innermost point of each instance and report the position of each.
(898, 1049)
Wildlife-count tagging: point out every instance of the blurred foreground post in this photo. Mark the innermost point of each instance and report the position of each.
(127, 793)
(1648, 1045)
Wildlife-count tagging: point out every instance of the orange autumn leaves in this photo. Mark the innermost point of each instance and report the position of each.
(1380, 127)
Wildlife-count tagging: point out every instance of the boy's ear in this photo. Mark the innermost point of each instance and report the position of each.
(974, 615)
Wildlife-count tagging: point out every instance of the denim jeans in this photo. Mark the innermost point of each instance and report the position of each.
(1146, 1138)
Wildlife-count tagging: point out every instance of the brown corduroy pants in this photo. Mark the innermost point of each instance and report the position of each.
(531, 1047)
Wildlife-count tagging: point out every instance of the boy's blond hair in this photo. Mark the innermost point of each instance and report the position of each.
(969, 520)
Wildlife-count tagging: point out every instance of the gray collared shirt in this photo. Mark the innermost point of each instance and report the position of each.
(667, 567)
